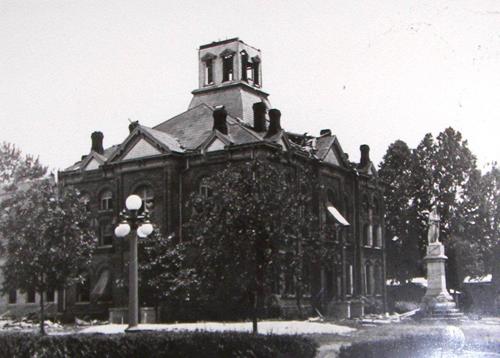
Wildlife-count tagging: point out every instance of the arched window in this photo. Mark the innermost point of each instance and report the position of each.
(106, 200)
(147, 196)
(209, 71)
(227, 68)
(204, 189)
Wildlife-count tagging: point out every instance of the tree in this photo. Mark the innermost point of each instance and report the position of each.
(396, 171)
(257, 220)
(479, 239)
(15, 168)
(163, 275)
(48, 239)
(437, 173)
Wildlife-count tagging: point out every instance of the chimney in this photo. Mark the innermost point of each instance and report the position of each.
(220, 123)
(274, 122)
(132, 126)
(325, 132)
(365, 155)
(97, 142)
(259, 116)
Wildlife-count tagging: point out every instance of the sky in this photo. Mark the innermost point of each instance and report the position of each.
(371, 71)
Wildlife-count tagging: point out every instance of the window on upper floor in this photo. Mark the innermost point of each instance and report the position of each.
(205, 190)
(105, 234)
(227, 68)
(106, 200)
(85, 201)
(365, 205)
(147, 197)
(377, 234)
(367, 235)
(209, 71)
(376, 206)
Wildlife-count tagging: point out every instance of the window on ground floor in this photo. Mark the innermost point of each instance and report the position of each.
(83, 290)
(30, 296)
(13, 296)
(51, 295)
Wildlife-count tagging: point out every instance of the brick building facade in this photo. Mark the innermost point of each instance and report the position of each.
(229, 119)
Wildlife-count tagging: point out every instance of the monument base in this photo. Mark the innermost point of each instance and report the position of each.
(437, 303)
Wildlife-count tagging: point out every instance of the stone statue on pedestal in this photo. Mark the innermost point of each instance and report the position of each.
(433, 234)
(437, 302)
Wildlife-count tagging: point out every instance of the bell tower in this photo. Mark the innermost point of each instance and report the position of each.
(230, 74)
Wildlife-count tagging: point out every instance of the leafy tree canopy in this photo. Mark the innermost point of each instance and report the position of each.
(255, 221)
(47, 235)
(15, 167)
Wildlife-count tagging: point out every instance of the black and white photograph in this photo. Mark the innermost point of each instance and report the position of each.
(295, 179)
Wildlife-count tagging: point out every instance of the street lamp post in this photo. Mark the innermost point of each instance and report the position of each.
(133, 220)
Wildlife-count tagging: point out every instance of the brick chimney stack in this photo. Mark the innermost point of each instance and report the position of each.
(97, 142)
(274, 122)
(365, 155)
(220, 123)
(259, 116)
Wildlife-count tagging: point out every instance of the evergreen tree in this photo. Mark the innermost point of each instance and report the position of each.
(402, 248)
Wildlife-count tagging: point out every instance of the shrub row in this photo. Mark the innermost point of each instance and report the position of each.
(157, 344)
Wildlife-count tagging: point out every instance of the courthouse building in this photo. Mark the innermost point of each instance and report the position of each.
(229, 119)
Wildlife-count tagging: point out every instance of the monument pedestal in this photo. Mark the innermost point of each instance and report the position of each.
(437, 302)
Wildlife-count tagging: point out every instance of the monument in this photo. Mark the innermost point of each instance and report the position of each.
(437, 302)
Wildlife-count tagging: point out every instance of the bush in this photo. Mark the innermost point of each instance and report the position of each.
(144, 344)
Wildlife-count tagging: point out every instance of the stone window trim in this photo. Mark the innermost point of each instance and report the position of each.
(227, 65)
(106, 199)
(208, 61)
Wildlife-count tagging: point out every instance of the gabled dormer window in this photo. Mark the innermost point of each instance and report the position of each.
(227, 68)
